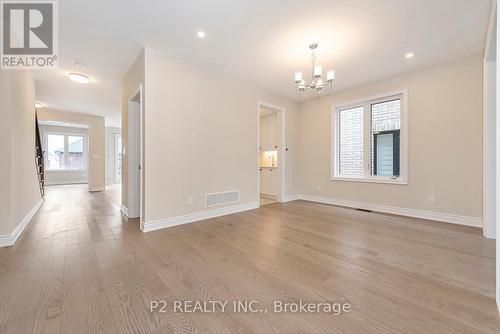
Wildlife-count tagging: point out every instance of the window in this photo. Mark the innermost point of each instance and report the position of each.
(369, 140)
(65, 151)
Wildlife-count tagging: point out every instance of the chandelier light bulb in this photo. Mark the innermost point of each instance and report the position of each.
(330, 75)
(298, 77)
(317, 71)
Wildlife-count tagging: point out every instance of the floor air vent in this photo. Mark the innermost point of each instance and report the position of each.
(214, 199)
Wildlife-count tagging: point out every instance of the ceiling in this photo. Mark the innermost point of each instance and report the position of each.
(260, 41)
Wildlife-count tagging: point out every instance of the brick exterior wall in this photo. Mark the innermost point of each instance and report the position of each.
(386, 116)
(351, 142)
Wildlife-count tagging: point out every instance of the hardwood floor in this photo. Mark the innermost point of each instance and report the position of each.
(80, 267)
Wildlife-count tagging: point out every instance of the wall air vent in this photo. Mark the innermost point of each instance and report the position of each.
(226, 197)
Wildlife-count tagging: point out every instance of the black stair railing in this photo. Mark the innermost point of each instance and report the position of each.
(39, 162)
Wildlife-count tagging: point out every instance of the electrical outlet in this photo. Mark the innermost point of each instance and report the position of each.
(190, 201)
(431, 198)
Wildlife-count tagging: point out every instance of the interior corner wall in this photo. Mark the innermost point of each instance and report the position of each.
(445, 142)
(201, 130)
(96, 134)
(20, 191)
(129, 85)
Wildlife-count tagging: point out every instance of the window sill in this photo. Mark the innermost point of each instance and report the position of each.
(64, 170)
(372, 179)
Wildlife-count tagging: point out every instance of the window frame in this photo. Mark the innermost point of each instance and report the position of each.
(66, 134)
(367, 133)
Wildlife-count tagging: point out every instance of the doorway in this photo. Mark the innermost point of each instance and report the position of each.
(135, 155)
(271, 153)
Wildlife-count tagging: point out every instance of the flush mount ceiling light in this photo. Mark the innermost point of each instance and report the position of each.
(80, 78)
(200, 34)
(38, 105)
(409, 55)
(317, 78)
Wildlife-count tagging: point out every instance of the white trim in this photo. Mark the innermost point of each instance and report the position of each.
(420, 214)
(92, 189)
(124, 210)
(294, 197)
(10, 239)
(197, 216)
(282, 148)
(365, 102)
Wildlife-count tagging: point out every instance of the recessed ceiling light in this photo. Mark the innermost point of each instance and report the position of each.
(38, 105)
(80, 78)
(409, 55)
(200, 34)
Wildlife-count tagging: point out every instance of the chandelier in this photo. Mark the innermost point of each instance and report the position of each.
(317, 78)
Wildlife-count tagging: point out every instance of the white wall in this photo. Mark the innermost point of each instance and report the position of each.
(20, 193)
(445, 142)
(201, 136)
(5, 151)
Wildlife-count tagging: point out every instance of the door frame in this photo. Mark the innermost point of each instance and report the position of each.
(134, 161)
(280, 111)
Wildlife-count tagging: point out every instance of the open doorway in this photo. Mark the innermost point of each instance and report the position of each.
(135, 155)
(271, 153)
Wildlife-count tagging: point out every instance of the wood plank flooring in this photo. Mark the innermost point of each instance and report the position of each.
(80, 267)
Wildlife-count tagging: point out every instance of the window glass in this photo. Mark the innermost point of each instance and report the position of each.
(351, 142)
(75, 156)
(55, 152)
(385, 137)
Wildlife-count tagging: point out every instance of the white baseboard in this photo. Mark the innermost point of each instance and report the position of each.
(10, 239)
(124, 210)
(429, 215)
(197, 216)
(97, 189)
(289, 198)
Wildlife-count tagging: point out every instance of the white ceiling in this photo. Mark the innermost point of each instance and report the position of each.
(260, 41)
